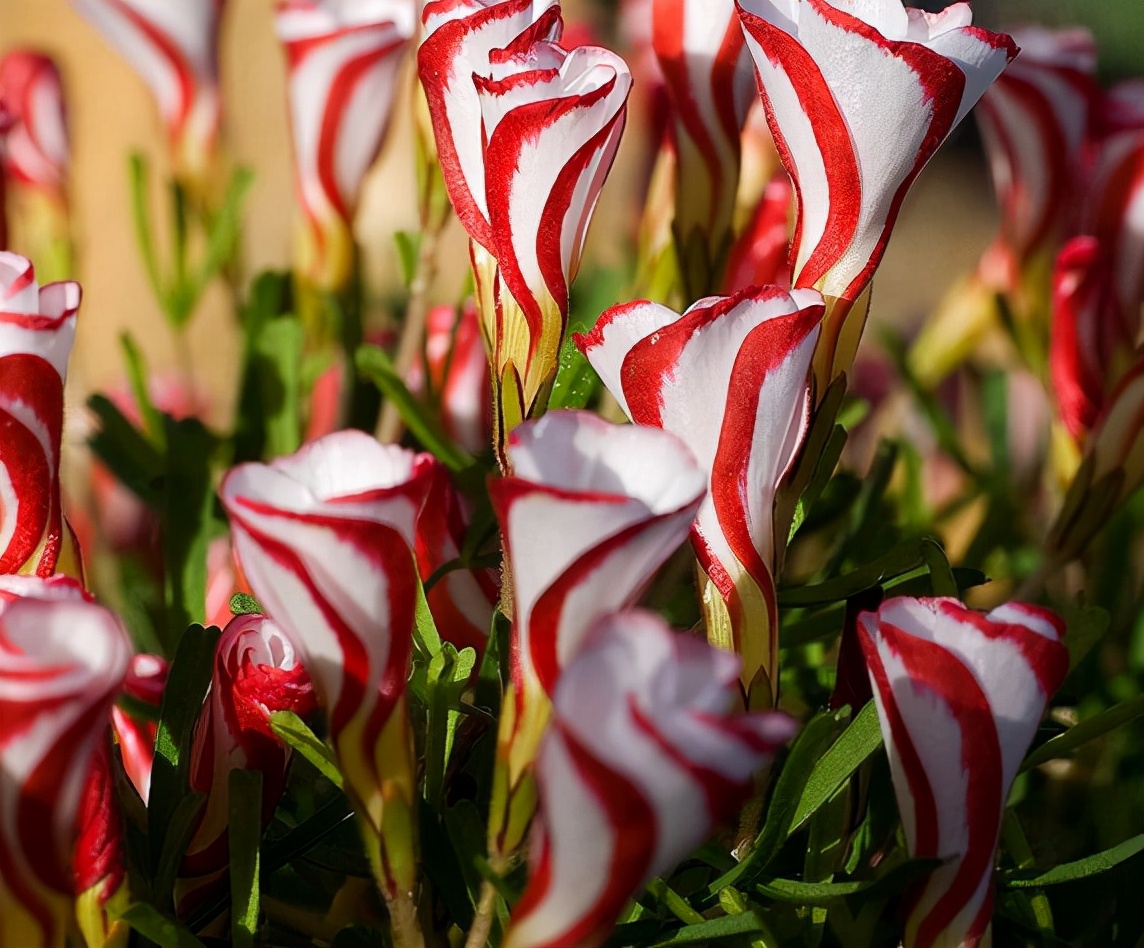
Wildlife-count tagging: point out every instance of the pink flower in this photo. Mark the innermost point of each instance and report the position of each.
(37, 327)
(325, 539)
(589, 514)
(61, 662)
(853, 155)
(35, 152)
(173, 48)
(959, 697)
(343, 60)
(709, 79)
(643, 759)
(730, 378)
(256, 672)
(1033, 120)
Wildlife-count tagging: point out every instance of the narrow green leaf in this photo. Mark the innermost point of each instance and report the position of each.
(137, 376)
(187, 683)
(576, 380)
(177, 834)
(891, 881)
(223, 231)
(448, 678)
(902, 559)
(375, 364)
(941, 575)
(408, 244)
(1087, 730)
(1085, 626)
(135, 461)
(715, 930)
(278, 368)
(141, 217)
(861, 738)
(290, 728)
(244, 835)
(671, 900)
(1072, 871)
(155, 927)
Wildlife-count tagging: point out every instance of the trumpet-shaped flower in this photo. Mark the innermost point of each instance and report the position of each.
(325, 539)
(643, 759)
(36, 151)
(959, 697)
(730, 378)
(37, 328)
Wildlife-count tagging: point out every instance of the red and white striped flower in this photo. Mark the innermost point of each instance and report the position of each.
(35, 151)
(1033, 121)
(463, 599)
(959, 697)
(174, 49)
(853, 155)
(256, 672)
(343, 60)
(589, 514)
(458, 37)
(61, 662)
(145, 682)
(708, 75)
(100, 861)
(37, 328)
(644, 758)
(455, 377)
(730, 378)
(325, 539)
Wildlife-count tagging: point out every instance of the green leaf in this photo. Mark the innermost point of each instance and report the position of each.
(155, 927)
(188, 522)
(141, 217)
(898, 561)
(243, 604)
(862, 737)
(1085, 626)
(223, 232)
(278, 368)
(291, 729)
(375, 364)
(1087, 730)
(408, 245)
(715, 930)
(941, 575)
(448, 678)
(244, 835)
(1073, 871)
(890, 882)
(127, 453)
(671, 900)
(137, 375)
(576, 380)
(171, 803)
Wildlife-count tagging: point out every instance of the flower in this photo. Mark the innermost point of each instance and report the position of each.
(343, 60)
(959, 697)
(589, 514)
(256, 673)
(708, 76)
(62, 659)
(1034, 120)
(35, 152)
(37, 328)
(461, 601)
(173, 47)
(643, 759)
(730, 378)
(325, 539)
(853, 155)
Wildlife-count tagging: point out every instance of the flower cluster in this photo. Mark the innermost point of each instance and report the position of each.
(606, 635)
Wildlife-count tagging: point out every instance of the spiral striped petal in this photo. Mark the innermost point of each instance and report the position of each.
(642, 761)
(708, 76)
(343, 60)
(851, 154)
(173, 48)
(62, 659)
(145, 682)
(959, 697)
(37, 328)
(256, 672)
(35, 151)
(325, 539)
(591, 511)
(1033, 121)
(730, 378)
(457, 40)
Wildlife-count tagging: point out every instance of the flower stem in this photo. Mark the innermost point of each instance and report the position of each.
(404, 923)
(483, 921)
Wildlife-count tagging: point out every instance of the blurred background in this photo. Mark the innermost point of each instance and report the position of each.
(946, 222)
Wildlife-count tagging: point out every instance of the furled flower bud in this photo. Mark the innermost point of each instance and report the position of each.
(959, 697)
(37, 327)
(645, 756)
(730, 377)
(35, 153)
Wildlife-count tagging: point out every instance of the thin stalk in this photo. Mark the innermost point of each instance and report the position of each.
(404, 922)
(483, 921)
